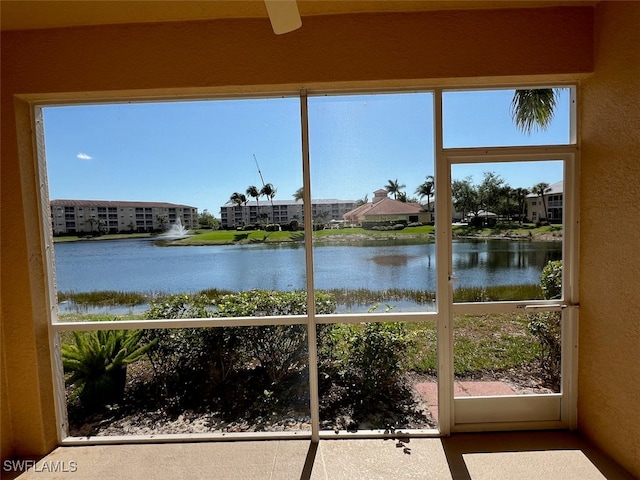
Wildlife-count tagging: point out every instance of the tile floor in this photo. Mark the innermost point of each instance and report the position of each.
(496, 456)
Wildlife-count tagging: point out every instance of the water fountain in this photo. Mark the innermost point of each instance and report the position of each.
(176, 230)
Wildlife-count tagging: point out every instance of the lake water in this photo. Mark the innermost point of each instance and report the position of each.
(141, 265)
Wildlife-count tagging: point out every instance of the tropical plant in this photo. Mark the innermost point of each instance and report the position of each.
(252, 191)
(299, 194)
(533, 108)
(362, 201)
(238, 199)
(269, 191)
(394, 188)
(426, 189)
(97, 364)
(520, 196)
(541, 189)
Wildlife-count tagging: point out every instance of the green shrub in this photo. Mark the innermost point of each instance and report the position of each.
(364, 362)
(97, 363)
(196, 363)
(546, 326)
(192, 363)
(551, 280)
(280, 349)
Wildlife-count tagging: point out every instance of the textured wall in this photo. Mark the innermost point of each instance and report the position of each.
(237, 56)
(609, 359)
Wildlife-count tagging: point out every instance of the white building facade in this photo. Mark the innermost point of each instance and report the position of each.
(548, 207)
(73, 217)
(281, 212)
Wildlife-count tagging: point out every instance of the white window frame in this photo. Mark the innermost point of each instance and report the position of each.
(444, 299)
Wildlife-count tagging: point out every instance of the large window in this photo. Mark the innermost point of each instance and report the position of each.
(299, 265)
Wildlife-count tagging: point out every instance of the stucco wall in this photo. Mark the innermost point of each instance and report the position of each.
(609, 360)
(234, 56)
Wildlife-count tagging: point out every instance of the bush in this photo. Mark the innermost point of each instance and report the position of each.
(280, 349)
(551, 280)
(192, 363)
(546, 326)
(364, 362)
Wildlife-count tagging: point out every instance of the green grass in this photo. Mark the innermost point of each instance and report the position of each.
(491, 342)
(226, 237)
(109, 236)
(363, 296)
(344, 296)
(498, 293)
(513, 229)
(106, 298)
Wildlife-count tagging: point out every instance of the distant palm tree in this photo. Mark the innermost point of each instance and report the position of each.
(268, 191)
(520, 195)
(426, 189)
(394, 188)
(533, 109)
(299, 195)
(238, 199)
(362, 201)
(252, 191)
(540, 189)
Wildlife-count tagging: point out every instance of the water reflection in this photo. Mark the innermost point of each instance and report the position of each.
(140, 266)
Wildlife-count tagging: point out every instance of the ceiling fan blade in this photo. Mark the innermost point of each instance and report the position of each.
(284, 15)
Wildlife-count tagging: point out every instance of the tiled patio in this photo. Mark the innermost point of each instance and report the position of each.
(521, 456)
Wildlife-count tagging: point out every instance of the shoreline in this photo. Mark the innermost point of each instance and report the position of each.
(338, 237)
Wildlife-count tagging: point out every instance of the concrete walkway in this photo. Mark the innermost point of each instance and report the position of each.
(429, 392)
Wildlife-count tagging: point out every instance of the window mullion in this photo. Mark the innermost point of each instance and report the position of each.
(444, 293)
(308, 246)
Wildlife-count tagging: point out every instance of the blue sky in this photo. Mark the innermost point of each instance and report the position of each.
(199, 153)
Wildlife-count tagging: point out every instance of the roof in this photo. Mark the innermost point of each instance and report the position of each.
(553, 189)
(386, 206)
(264, 201)
(115, 203)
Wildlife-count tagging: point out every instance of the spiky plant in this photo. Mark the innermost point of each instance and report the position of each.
(97, 363)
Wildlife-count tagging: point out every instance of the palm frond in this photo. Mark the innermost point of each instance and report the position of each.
(533, 109)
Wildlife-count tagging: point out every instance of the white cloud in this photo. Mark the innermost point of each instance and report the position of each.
(84, 156)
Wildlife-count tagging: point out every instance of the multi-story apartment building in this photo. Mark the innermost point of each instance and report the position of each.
(71, 217)
(547, 207)
(281, 211)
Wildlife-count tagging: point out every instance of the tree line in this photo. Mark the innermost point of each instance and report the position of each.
(494, 195)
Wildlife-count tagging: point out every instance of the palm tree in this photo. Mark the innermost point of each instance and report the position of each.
(92, 222)
(426, 189)
(520, 195)
(252, 191)
(299, 195)
(268, 191)
(394, 188)
(540, 189)
(533, 109)
(362, 201)
(238, 199)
